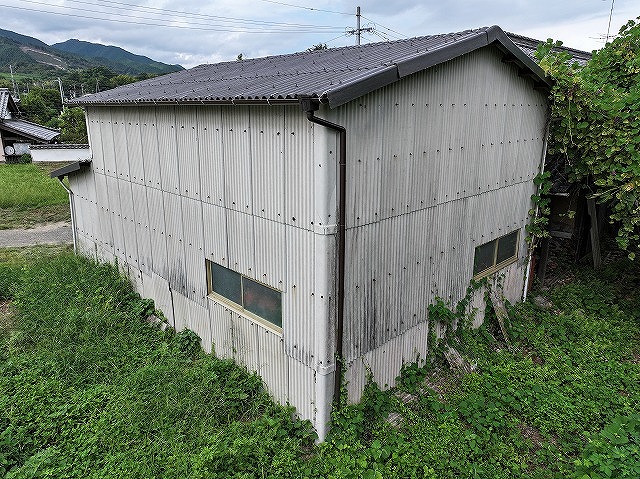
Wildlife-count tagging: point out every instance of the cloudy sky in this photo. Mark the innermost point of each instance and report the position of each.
(191, 33)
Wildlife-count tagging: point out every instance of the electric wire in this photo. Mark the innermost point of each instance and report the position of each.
(185, 27)
(306, 8)
(231, 24)
(401, 35)
(173, 13)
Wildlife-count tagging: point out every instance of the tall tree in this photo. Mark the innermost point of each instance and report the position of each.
(41, 106)
(73, 128)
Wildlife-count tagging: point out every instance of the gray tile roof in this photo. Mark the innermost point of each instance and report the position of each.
(29, 130)
(335, 76)
(530, 45)
(7, 106)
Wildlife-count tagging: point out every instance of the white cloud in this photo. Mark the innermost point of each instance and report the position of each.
(210, 38)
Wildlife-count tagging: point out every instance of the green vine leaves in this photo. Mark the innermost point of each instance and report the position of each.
(596, 125)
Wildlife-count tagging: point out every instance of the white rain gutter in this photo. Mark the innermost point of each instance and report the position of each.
(73, 215)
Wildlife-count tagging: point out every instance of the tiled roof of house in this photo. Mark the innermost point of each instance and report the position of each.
(530, 45)
(7, 106)
(29, 130)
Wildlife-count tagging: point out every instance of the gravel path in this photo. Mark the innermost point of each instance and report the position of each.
(53, 233)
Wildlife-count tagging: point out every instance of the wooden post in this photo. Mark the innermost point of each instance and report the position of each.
(595, 237)
(544, 259)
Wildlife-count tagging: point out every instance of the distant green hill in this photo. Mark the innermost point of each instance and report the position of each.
(116, 58)
(28, 55)
(23, 39)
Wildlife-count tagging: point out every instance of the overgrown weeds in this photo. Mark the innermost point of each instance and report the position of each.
(88, 389)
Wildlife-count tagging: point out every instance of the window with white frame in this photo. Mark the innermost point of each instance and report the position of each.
(496, 254)
(257, 300)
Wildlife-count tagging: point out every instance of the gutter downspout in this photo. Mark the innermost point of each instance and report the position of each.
(543, 160)
(309, 106)
(73, 214)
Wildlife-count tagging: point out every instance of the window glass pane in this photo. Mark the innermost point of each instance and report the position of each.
(507, 247)
(226, 283)
(483, 258)
(262, 301)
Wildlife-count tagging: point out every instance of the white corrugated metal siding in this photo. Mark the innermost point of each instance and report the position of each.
(210, 155)
(437, 165)
(187, 152)
(150, 147)
(167, 149)
(268, 162)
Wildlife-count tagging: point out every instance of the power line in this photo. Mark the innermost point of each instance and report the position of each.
(306, 8)
(282, 29)
(165, 12)
(401, 36)
(344, 35)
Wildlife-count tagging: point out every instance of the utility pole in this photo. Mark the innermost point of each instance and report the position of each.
(358, 26)
(61, 93)
(610, 15)
(13, 81)
(358, 29)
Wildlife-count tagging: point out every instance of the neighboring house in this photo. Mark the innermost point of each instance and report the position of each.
(530, 45)
(17, 135)
(293, 209)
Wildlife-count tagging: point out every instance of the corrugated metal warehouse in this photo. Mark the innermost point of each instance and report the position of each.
(298, 208)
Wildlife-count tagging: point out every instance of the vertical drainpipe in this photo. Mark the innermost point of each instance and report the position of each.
(73, 214)
(309, 106)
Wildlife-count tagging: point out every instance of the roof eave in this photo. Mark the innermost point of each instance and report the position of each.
(30, 136)
(497, 36)
(74, 167)
(424, 60)
(232, 101)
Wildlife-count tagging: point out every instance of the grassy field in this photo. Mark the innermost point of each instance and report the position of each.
(89, 390)
(28, 197)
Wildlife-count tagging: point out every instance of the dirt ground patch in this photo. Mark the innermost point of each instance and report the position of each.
(51, 233)
(7, 313)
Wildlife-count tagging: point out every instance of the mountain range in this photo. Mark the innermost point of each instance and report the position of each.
(30, 55)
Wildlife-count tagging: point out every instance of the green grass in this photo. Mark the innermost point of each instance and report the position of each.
(87, 389)
(29, 197)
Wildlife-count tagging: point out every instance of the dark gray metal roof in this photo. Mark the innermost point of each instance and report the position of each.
(530, 45)
(335, 76)
(29, 130)
(70, 168)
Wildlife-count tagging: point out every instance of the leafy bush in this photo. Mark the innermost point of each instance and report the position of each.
(597, 126)
(614, 453)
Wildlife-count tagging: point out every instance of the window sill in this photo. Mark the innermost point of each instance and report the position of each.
(272, 328)
(494, 269)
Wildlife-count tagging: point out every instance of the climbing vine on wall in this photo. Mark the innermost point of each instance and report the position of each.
(537, 227)
(596, 125)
